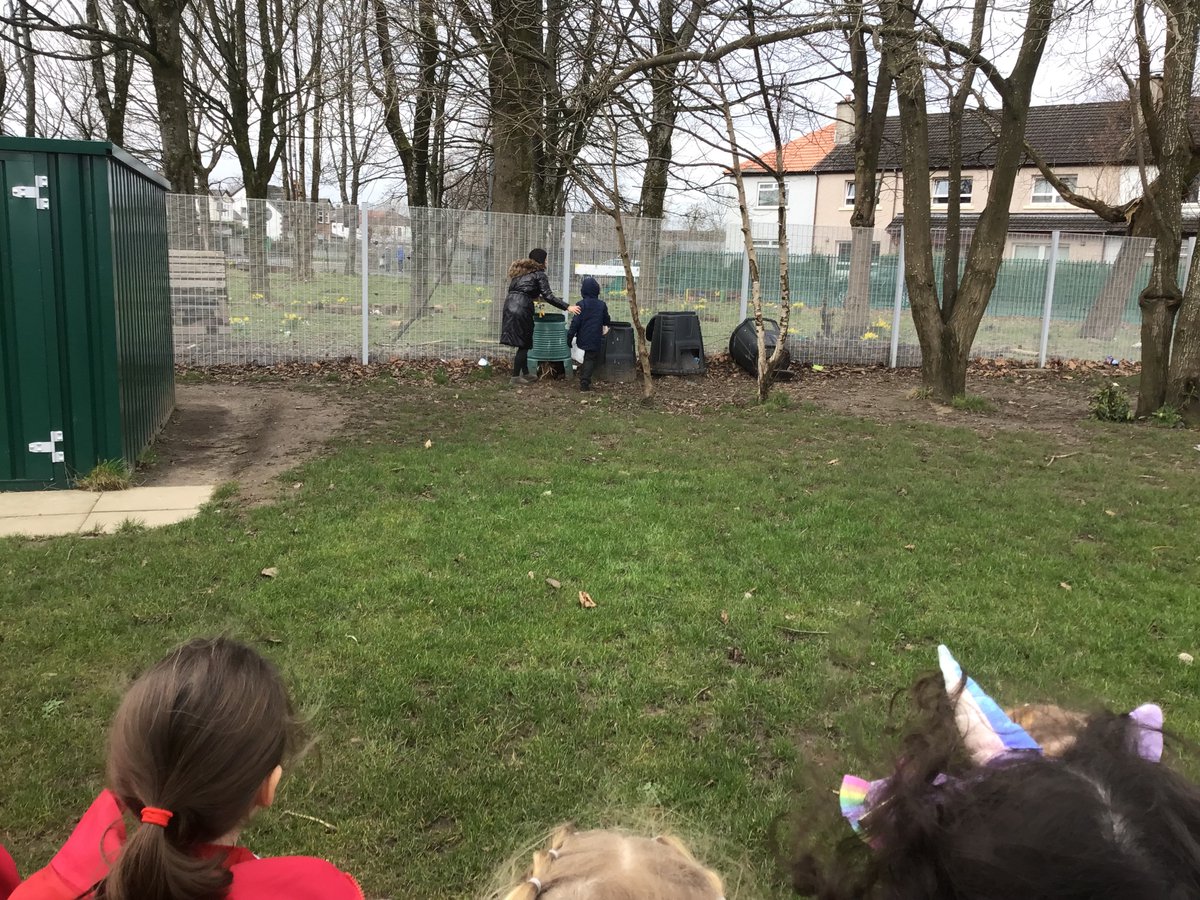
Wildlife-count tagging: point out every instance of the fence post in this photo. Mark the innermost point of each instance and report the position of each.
(745, 285)
(566, 260)
(899, 302)
(1049, 302)
(366, 300)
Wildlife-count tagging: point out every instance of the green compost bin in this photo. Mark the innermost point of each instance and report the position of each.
(86, 356)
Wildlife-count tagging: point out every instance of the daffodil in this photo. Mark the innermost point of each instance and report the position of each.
(869, 335)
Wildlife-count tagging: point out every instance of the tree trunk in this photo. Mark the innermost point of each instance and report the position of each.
(171, 100)
(856, 314)
(258, 252)
(1104, 318)
(1158, 319)
(944, 366)
(1183, 392)
(635, 312)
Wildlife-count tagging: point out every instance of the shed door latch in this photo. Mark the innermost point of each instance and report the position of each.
(34, 191)
(50, 446)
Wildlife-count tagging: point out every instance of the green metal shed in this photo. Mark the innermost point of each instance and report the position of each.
(86, 356)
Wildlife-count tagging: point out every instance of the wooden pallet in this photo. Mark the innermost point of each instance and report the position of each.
(199, 292)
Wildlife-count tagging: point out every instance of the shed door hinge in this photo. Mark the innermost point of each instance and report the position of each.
(34, 191)
(50, 446)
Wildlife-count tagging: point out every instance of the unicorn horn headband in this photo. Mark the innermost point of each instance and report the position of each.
(988, 733)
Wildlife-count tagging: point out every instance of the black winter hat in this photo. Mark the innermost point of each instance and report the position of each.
(538, 255)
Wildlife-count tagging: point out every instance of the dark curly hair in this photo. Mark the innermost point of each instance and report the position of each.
(1097, 823)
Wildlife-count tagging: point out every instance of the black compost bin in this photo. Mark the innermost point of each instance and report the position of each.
(676, 345)
(618, 356)
(743, 344)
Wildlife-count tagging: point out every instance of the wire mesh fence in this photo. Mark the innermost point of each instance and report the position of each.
(265, 281)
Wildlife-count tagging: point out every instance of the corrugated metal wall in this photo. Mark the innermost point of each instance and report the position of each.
(141, 284)
(103, 259)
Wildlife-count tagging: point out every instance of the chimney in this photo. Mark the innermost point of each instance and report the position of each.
(1156, 88)
(843, 131)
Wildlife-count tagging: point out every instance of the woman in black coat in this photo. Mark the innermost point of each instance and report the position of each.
(527, 282)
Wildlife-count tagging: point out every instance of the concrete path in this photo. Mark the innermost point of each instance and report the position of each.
(48, 513)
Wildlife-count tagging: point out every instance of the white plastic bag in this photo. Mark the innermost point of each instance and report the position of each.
(576, 353)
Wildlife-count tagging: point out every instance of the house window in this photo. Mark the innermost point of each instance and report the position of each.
(1040, 251)
(941, 191)
(849, 193)
(844, 251)
(1045, 192)
(768, 194)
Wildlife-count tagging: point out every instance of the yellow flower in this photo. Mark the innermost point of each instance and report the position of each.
(869, 336)
(800, 305)
(881, 324)
(343, 300)
(256, 296)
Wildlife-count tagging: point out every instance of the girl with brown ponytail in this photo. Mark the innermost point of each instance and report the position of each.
(197, 745)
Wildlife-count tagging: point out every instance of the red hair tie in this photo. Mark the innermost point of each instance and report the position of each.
(152, 815)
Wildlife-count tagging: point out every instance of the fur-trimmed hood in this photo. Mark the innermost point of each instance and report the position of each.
(524, 267)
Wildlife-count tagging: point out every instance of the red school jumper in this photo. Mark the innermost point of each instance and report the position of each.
(9, 878)
(85, 858)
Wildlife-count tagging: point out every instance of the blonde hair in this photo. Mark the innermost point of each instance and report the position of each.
(595, 865)
(1053, 727)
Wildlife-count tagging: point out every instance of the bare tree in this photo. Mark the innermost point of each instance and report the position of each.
(111, 87)
(156, 36)
(1168, 161)
(870, 104)
(249, 42)
(946, 331)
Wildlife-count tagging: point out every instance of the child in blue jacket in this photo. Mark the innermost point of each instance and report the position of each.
(588, 328)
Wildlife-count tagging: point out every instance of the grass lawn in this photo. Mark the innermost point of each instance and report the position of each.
(463, 705)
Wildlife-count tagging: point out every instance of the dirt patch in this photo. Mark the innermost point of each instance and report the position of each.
(248, 433)
(251, 422)
(1046, 401)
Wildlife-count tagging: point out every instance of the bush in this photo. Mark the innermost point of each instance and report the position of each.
(1111, 404)
(1167, 416)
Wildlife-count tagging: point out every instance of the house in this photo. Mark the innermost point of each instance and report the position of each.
(274, 215)
(1089, 146)
(800, 157)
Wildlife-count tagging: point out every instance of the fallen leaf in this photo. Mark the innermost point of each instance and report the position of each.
(269, 572)
(296, 485)
(724, 617)
(910, 547)
(1109, 512)
(586, 601)
(428, 444)
(554, 583)
(1064, 586)
(547, 493)
(834, 462)
(1186, 658)
(532, 576)
(271, 639)
(735, 654)
(353, 638)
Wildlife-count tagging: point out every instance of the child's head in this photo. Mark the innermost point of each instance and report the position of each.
(589, 287)
(614, 865)
(196, 746)
(1099, 817)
